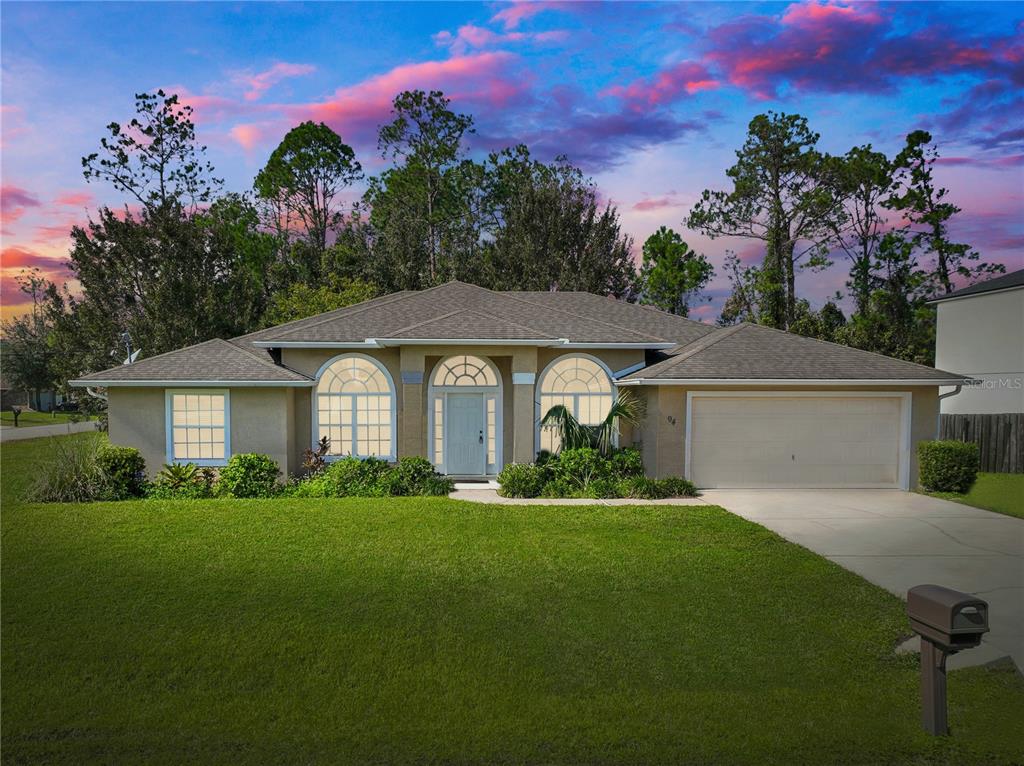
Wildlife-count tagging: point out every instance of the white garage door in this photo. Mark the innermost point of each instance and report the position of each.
(795, 441)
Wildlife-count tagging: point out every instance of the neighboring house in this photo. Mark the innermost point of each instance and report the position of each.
(19, 397)
(462, 375)
(979, 331)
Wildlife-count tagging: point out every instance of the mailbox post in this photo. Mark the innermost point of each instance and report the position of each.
(947, 621)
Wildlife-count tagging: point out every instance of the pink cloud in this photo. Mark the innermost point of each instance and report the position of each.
(258, 84)
(73, 198)
(14, 197)
(684, 78)
(655, 203)
(250, 135)
(471, 36)
(511, 16)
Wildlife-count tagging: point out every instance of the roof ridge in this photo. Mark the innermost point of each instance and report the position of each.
(464, 310)
(579, 316)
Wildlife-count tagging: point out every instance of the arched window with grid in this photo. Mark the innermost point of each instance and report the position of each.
(355, 407)
(580, 383)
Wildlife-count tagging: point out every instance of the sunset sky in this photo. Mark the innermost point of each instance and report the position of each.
(650, 99)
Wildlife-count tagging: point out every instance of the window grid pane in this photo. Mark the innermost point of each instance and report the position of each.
(579, 384)
(465, 370)
(492, 431)
(198, 431)
(438, 431)
(354, 402)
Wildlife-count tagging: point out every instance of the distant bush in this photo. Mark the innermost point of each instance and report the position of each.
(248, 474)
(124, 469)
(352, 477)
(72, 474)
(437, 486)
(948, 466)
(677, 486)
(182, 481)
(522, 480)
(409, 477)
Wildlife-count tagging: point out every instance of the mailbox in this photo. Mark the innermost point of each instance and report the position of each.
(947, 621)
(948, 618)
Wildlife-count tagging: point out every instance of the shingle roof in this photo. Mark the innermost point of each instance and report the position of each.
(458, 311)
(1004, 282)
(214, 360)
(753, 352)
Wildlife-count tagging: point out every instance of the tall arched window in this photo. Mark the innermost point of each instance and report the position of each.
(580, 383)
(355, 407)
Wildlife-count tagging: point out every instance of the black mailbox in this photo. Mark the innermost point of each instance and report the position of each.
(947, 617)
(947, 621)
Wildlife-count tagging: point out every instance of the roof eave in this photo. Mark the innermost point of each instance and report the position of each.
(946, 298)
(391, 342)
(758, 382)
(86, 383)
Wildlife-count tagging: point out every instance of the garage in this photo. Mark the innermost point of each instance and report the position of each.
(797, 439)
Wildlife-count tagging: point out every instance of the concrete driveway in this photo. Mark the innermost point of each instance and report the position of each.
(900, 539)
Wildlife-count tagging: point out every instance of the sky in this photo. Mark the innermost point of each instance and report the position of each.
(651, 100)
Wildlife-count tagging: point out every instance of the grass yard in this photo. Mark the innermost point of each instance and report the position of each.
(416, 630)
(999, 492)
(31, 418)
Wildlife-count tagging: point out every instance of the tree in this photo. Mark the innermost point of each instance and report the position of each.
(547, 230)
(672, 273)
(155, 157)
(864, 180)
(299, 300)
(782, 195)
(303, 178)
(928, 211)
(28, 353)
(422, 209)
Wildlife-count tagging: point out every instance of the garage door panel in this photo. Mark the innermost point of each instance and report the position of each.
(795, 441)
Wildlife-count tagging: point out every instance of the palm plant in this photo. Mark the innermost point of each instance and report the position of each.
(572, 434)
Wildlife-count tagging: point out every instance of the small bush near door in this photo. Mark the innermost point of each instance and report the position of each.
(948, 466)
(248, 474)
(585, 472)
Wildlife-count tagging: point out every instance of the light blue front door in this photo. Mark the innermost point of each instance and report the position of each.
(466, 451)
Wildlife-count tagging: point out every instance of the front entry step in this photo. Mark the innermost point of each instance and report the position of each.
(481, 484)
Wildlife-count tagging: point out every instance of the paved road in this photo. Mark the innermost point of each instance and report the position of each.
(35, 432)
(900, 539)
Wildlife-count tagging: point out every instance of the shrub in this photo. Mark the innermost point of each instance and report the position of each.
(603, 488)
(522, 480)
(579, 467)
(561, 488)
(71, 475)
(677, 486)
(354, 477)
(948, 466)
(627, 462)
(409, 476)
(249, 474)
(125, 471)
(437, 486)
(642, 487)
(182, 481)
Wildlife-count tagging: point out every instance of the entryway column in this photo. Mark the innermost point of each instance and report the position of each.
(524, 416)
(411, 420)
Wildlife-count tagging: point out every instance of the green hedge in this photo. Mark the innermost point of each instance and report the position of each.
(948, 466)
(586, 473)
(248, 474)
(124, 469)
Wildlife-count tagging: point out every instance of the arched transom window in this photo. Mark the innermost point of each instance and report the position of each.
(355, 408)
(465, 370)
(579, 383)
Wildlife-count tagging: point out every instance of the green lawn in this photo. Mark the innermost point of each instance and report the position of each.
(999, 492)
(32, 418)
(431, 631)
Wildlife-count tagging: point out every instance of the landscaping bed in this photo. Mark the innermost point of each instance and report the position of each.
(424, 630)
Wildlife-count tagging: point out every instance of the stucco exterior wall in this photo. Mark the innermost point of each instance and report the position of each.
(260, 422)
(663, 432)
(983, 336)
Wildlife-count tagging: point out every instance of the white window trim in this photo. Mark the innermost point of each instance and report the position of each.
(906, 418)
(538, 415)
(315, 415)
(441, 392)
(169, 426)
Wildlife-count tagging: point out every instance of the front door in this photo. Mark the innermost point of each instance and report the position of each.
(464, 443)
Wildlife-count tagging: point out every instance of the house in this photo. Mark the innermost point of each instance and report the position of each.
(462, 375)
(980, 331)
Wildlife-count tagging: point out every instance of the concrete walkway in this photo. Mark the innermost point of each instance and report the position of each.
(492, 497)
(900, 539)
(36, 432)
